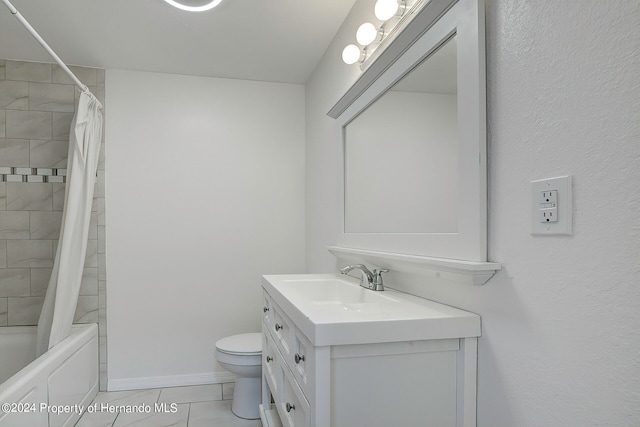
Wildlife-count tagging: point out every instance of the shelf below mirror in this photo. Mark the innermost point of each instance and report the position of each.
(467, 272)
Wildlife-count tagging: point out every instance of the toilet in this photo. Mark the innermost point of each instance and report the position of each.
(242, 355)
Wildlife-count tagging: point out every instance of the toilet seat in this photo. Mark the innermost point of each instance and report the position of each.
(241, 345)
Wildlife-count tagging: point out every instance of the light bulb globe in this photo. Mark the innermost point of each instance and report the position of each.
(351, 54)
(386, 9)
(366, 34)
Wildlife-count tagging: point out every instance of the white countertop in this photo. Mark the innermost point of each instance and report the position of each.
(333, 309)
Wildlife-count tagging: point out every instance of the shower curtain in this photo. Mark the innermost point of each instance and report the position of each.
(61, 299)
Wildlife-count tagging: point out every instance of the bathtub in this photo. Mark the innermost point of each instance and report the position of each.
(52, 389)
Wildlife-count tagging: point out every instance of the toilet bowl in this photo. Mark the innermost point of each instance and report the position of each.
(242, 355)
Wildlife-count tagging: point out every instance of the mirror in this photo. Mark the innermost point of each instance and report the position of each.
(401, 154)
(414, 148)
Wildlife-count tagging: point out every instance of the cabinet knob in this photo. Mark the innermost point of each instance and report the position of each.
(265, 309)
(298, 358)
(278, 327)
(290, 407)
(269, 359)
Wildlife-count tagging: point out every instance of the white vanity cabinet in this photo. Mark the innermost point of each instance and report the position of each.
(336, 354)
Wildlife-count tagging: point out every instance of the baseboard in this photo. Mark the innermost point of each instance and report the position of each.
(119, 384)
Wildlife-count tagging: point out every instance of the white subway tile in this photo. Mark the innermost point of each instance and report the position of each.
(44, 171)
(14, 282)
(87, 75)
(14, 225)
(29, 253)
(61, 126)
(91, 259)
(48, 154)
(13, 152)
(29, 196)
(24, 310)
(102, 267)
(3, 311)
(58, 194)
(3, 123)
(89, 284)
(3, 254)
(39, 281)
(86, 310)
(45, 225)
(28, 124)
(102, 236)
(51, 97)
(93, 226)
(28, 71)
(3, 195)
(14, 95)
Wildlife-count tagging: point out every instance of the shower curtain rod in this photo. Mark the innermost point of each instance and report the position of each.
(44, 44)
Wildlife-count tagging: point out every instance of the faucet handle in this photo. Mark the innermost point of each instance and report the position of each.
(377, 279)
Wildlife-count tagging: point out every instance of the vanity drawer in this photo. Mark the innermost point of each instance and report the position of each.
(294, 409)
(282, 331)
(302, 361)
(267, 313)
(272, 364)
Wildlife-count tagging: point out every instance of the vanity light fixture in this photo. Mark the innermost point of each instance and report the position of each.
(351, 54)
(203, 8)
(387, 9)
(367, 33)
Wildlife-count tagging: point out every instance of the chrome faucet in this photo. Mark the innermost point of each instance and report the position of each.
(374, 279)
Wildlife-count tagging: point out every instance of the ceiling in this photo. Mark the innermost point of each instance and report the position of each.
(269, 40)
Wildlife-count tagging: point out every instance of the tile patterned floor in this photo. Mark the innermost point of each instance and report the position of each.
(193, 406)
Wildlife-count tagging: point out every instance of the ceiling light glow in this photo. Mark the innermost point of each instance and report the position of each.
(203, 8)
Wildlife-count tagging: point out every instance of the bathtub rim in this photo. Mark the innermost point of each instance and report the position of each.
(80, 333)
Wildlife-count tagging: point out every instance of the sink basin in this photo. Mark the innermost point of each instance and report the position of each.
(333, 291)
(334, 309)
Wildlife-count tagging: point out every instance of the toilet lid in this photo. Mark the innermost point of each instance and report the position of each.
(241, 344)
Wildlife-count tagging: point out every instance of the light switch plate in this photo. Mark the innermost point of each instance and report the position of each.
(564, 206)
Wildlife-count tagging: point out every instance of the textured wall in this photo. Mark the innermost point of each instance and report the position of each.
(561, 322)
(37, 103)
(560, 339)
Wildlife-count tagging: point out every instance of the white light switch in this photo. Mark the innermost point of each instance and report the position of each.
(551, 206)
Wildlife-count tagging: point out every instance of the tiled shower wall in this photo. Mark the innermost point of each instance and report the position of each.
(37, 103)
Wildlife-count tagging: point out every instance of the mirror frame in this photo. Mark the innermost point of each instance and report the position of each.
(434, 24)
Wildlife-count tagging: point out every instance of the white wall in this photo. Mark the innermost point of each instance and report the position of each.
(205, 193)
(560, 343)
